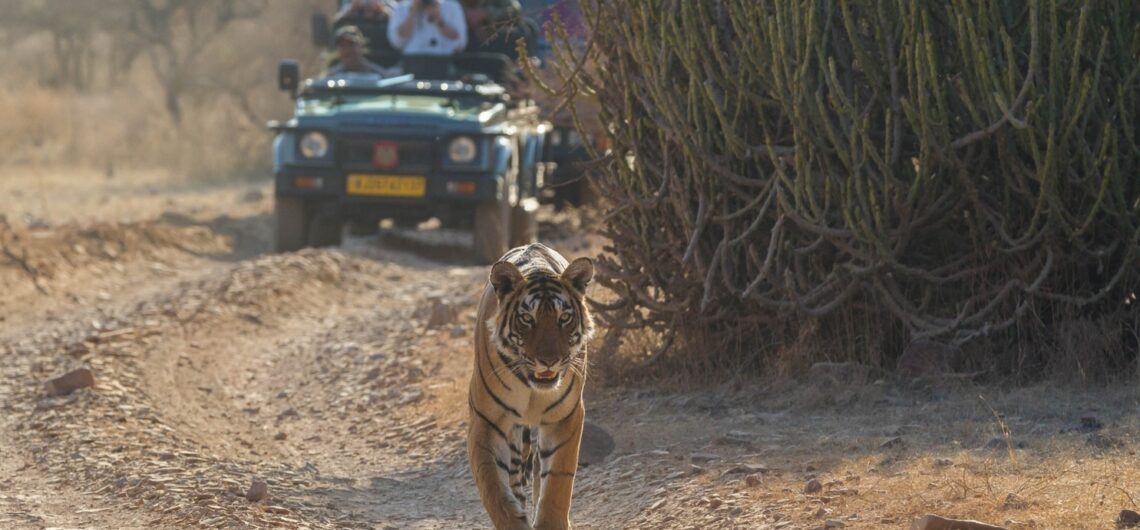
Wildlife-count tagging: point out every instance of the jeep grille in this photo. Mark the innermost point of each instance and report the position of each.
(416, 156)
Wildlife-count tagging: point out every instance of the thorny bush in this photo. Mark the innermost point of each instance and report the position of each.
(869, 173)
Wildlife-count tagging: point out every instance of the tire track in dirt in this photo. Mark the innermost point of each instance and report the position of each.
(283, 368)
(77, 269)
(336, 376)
(344, 379)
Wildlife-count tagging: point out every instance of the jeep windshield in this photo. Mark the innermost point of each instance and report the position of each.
(459, 106)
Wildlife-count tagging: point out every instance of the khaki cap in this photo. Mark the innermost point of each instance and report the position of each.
(351, 33)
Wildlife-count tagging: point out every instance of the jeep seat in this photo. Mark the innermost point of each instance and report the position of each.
(496, 66)
(429, 66)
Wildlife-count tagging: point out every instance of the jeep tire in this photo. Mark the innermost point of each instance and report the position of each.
(524, 223)
(326, 231)
(455, 221)
(492, 231)
(292, 217)
(364, 227)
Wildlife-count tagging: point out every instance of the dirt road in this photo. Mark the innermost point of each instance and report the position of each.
(337, 377)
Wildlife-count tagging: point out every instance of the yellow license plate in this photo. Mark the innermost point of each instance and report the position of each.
(387, 185)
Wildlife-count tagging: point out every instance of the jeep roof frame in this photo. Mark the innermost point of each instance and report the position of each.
(405, 84)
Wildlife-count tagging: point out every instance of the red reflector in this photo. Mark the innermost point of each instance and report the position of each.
(386, 155)
(461, 186)
(308, 183)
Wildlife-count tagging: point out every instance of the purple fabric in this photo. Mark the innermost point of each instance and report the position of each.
(567, 10)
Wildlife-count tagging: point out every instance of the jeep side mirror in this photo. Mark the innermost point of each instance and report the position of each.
(319, 30)
(288, 75)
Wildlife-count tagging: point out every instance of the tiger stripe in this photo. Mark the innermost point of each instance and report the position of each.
(498, 401)
(489, 422)
(561, 398)
(567, 416)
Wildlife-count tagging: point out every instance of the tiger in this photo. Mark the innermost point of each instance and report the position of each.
(525, 398)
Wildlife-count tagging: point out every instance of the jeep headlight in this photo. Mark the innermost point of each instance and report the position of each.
(462, 150)
(314, 145)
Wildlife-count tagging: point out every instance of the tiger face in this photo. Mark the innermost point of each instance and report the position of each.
(542, 325)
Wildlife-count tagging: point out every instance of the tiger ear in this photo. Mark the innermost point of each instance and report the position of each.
(505, 277)
(579, 273)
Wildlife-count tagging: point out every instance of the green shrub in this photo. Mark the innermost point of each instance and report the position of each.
(872, 172)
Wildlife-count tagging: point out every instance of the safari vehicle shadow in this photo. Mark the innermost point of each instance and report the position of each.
(454, 247)
(248, 236)
(439, 492)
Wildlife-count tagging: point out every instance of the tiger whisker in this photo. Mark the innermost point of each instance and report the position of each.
(578, 365)
(507, 367)
(511, 366)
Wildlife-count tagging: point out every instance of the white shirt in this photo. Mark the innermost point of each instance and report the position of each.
(426, 38)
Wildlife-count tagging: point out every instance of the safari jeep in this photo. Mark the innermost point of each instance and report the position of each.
(361, 148)
(565, 149)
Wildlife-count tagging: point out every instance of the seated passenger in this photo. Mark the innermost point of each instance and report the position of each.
(350, 53)
(488, 18)
(428, 27)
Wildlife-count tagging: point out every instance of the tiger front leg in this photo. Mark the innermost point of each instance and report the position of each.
(558, 446)
(489, 454)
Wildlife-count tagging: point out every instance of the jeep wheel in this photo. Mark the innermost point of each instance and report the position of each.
(455, 220)
(364, 227)
(326, 231)
(524, 223)
(292, 218)
(492, 231)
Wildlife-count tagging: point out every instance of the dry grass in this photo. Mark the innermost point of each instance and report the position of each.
(59, 194)
(1069, 488)
(1015, 467)
(123, 122)
(886, 454)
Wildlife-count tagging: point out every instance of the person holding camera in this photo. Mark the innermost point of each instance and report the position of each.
(487, 18)
(428, 27)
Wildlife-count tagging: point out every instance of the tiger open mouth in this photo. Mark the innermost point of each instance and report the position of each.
(544, 378)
